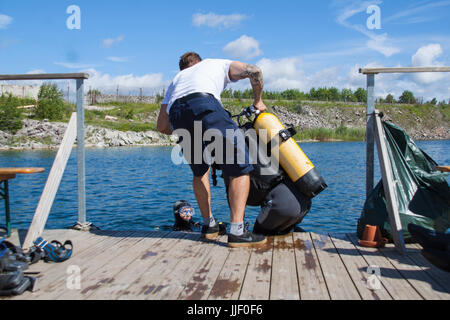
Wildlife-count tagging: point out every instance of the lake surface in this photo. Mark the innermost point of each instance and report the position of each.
(135, 188)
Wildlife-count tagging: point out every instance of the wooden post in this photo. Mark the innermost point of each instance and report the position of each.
(51, 187)
(81, 153)
(370, 133)
(389, 190)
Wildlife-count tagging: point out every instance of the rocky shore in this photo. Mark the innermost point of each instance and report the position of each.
(44, 134)
(48, 135)
(430, 127)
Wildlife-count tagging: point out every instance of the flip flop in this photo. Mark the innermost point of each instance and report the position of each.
(54, 251)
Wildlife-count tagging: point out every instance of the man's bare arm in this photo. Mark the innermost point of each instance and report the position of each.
(163, 124)
(240, 70)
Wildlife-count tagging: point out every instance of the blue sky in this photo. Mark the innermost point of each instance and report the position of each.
(298, 44)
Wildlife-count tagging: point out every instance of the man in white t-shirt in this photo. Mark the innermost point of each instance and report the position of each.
(193, 101)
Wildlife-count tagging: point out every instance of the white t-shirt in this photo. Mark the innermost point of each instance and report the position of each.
(208, 76)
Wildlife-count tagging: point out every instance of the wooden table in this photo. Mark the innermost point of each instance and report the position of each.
(7, 174)
(444, 168)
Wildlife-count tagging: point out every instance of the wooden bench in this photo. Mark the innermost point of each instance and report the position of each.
(7, 174)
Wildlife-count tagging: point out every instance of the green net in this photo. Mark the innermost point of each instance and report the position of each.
(423, 194)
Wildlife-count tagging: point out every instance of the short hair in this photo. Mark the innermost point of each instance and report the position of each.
(189, 59)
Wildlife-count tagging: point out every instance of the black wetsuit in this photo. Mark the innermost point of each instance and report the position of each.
(282, 209)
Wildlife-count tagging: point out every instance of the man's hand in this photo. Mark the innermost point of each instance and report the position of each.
(260, 106)
(240, 70)
(163, 124)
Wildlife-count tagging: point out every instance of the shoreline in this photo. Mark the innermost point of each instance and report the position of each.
(93, 146)
(314, 125)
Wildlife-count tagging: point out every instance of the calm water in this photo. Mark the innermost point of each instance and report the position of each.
(135, 188)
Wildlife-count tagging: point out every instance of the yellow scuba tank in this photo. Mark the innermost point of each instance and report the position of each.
(290, 156)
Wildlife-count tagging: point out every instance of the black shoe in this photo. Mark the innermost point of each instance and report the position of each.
(247, 239)
(210, 232)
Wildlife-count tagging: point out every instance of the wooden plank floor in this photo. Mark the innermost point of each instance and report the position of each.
(168, 265)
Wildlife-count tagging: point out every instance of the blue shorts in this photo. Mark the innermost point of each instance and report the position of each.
(199, 115)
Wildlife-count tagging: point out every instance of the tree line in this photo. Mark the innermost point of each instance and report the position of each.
(49, 105)
(328, 94)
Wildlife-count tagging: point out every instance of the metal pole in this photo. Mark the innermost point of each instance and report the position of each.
(80, 153)
(370, 130)
(7, 209)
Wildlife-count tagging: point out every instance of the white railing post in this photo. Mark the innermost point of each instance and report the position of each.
(81, 153)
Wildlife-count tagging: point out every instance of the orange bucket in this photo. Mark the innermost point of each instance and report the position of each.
(372, 237)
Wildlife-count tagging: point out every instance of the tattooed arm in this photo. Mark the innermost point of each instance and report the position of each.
(163, 124)
(239, 71)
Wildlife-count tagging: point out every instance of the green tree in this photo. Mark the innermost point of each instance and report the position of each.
(347, 95)
(237, 94)
(10, 114)
(313, 94)
(407, 97)
(333, 94)
(247, 94)
(361, 95)
(434, 101)
(227, 94)
(323, 94)
(50, 103)
(389, 99)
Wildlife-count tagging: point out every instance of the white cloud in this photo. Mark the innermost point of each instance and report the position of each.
(108, 83)
(423, 85)
(426, 57)
(378, 43)
(283, 73)
(217, 21)
(108, 43)
(289, 73)
(72, 65)
(5, 21)
(118, 59)
(243, 48)
(36, 71)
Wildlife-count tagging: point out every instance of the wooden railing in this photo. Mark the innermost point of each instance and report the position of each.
(76, 125)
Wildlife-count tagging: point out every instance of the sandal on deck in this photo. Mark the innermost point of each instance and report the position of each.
(54, 251)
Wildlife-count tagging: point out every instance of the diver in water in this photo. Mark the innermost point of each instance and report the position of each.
(183, 214)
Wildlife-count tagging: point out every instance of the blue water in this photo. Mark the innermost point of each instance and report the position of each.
(135, 188)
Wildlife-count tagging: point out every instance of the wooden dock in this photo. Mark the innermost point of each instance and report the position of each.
(167, 265)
